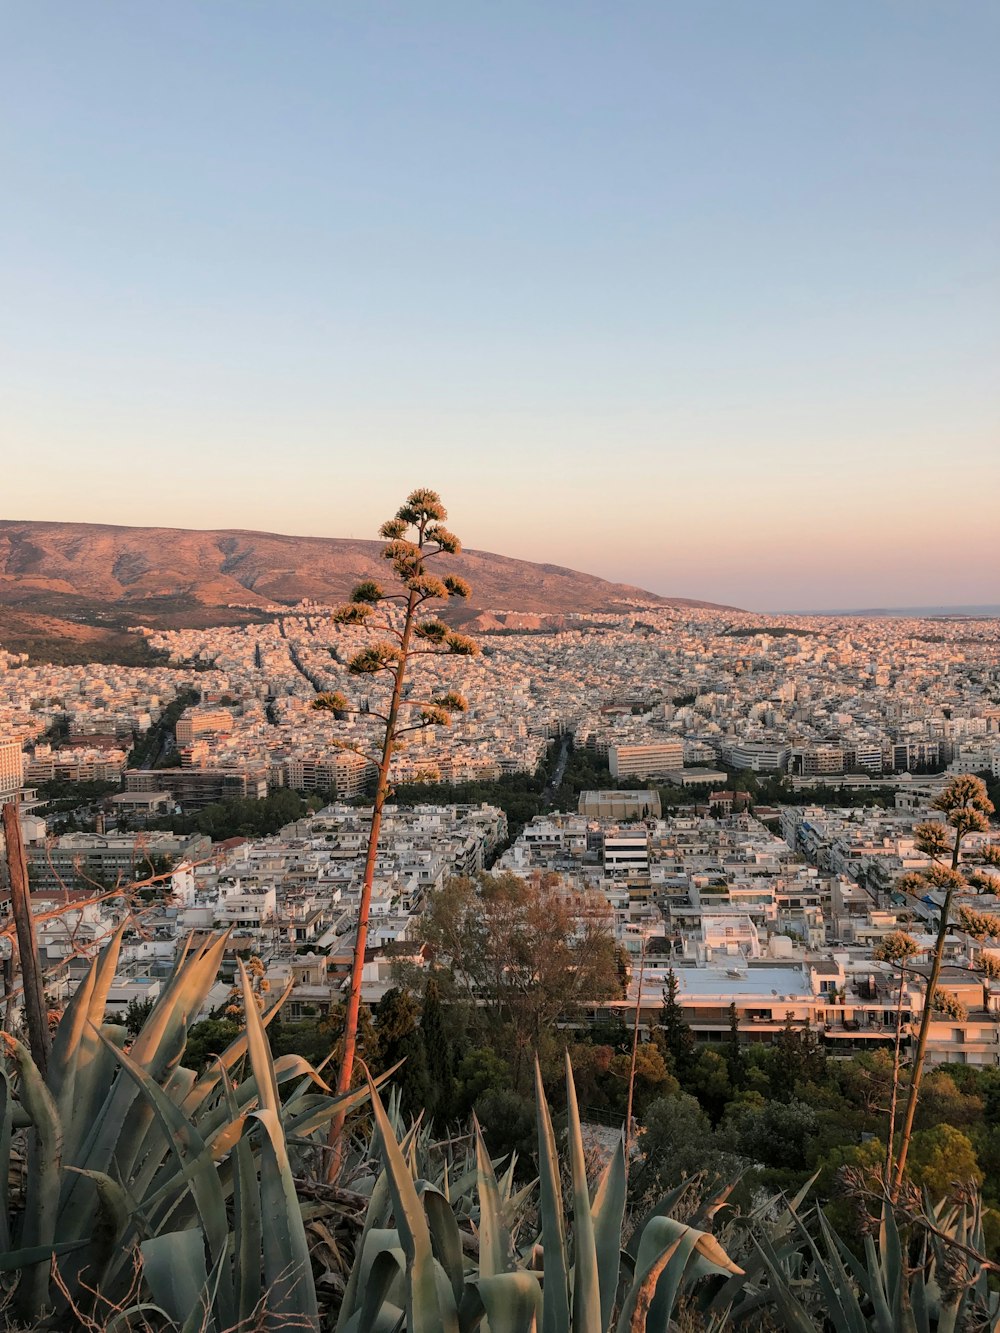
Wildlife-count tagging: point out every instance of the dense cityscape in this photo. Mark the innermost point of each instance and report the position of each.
(768, 894)
(563, 901)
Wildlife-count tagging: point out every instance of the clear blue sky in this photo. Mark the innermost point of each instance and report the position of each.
(704, 296)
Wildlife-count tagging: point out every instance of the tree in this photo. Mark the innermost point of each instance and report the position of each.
(415, 536)
(439, 1050)
(399, 1038)
(674, 1031)
(647, 1073)
(966, 808)
(524, 952)
(676, 1142)
(798, 1058)
(734, 1051)
(777, 1136)
(136, 1013)
(479, 1071)
(942, 1158)
(709, 1081)
(209, 1037)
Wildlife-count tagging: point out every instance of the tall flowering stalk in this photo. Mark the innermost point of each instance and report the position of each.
(413, 538)
(966, 808)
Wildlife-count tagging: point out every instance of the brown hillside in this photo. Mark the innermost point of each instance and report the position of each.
(54, 568)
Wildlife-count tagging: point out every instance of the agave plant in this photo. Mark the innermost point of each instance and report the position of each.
(927, 1277)
(130, 1154)
(412, 1271)
(451, 1165)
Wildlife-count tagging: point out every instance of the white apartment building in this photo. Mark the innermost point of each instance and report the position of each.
(760, 756)
(645, 761)
(11, 766)
(626, 852)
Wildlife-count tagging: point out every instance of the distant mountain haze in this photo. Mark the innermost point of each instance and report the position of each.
(48, 568)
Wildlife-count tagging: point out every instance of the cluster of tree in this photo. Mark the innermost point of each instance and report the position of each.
(110, 649)
(518, 795)
(59, 796)
(148, 746)
(773, 631)
(776, 789)
(241, 817)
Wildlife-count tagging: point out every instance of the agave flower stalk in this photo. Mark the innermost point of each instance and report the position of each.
(966, 808)
(416, 535)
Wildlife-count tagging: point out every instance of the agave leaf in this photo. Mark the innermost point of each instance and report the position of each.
(288, 1275)
(173, 1265)
(778, 1232)
(42, 1195)
(387, 1268)
(120, 1124)
(555, 1307)
(948, 1315)
(74, 1048)
(286, 1068)
(215, 1119)
(513, 1206)
(495, 1247)
(208, 1083)
(446, 1242)
(246, 1219)
(161, 1038)
(426, 1313)
(662, 1208)
(6, 1126)
(219, 1129)
(891, 1252)
(636, 1306)
(841, 1298)
(198, 1321)
(512, 1301)
(698, 1254)
(919, 1306)
(197, 1166)
(113, 1212)
(376, 1215)
(608, 1212)
(712, 1203)
(390, 1319)
(10, 1260)
(854, 1266)
(587, 1304)
(506, 1182)
(178, 1083)
(261, 1060)
(287, 1267)
(160, 1043)
(876, 1289)
(786, 1219)
(312, 1119)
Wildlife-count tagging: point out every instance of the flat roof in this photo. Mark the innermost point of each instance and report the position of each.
(767, 983)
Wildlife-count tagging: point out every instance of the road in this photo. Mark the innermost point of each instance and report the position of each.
(552, 786)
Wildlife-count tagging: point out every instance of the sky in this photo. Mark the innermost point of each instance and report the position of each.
(699, 296)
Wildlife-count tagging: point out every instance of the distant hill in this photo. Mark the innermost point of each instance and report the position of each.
(96, 575)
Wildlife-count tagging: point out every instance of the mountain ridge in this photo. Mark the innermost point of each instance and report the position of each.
(71, 592)
(224, 567)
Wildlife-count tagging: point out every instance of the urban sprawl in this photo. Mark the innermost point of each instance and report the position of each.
(764, 778)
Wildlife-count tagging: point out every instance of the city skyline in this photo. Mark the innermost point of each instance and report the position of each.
(702, 300)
